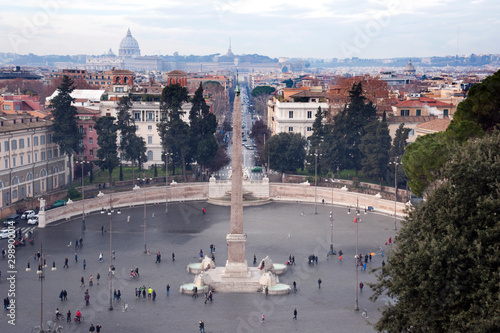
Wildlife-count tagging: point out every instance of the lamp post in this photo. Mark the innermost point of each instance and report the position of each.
(356, 220)
(110, 215)
(82, 164)
(395, 189)
(144, 179)
(41, 277)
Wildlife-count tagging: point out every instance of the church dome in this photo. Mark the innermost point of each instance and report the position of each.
(409, 69)
(129, 46)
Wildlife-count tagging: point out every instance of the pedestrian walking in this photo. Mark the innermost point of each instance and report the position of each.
(158, 257)
(254, 259)
(319, 283)
(294, 286)
(364, 267)
(92, 328)
(76, 257)
(361, 285)
(101, 257)
(68, 316)
(370, 257)
(150, 291)
(83, 282)
(66, 263)
(87, 299)
(98, 329)
(173, 256)
(295, 314)
(102, 229)
(340, 258)
(201, 254)
(119, 295)
(84, 264)
(168, 289)
(154, 295)
(91, 280)
(366, 258)
(383, 263)
(263, 318)
(144, 292)
(65, 295)
(61, 295)
(266, 291)
(293, 260)
(3, 253)
(81, 242)
(98, 277)
(202, 326)
(76, 244)
(195, 292)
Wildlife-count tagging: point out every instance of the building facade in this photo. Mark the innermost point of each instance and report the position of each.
(30, 162)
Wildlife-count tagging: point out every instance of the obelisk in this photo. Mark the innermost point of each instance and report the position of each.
(236, 265)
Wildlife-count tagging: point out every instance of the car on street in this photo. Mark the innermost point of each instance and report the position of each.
(33, 220)
(5, 233)
(12, 219)
(27, 214)
(56, 204)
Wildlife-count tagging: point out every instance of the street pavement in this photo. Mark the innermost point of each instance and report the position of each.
(276, 229)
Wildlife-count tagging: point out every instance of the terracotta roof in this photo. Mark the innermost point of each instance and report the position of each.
(423, 102)
(177, 72)
(410, 119)
(308, 93)
(435, 125)
(80, 109)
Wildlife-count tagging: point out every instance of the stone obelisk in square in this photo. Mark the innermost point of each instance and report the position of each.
(236, 265)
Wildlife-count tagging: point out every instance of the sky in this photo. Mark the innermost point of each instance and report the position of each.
(278, 28)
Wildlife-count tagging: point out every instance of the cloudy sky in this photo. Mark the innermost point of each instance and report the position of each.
(288, 28)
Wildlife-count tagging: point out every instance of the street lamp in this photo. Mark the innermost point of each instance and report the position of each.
(110, 215)
(144, 179)
(82, 164)
(356, 220)
(40, 271)
(395, 188)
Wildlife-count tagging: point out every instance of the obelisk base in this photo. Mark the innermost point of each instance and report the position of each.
(236, 264)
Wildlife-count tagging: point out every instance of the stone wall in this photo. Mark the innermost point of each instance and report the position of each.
(202, 191)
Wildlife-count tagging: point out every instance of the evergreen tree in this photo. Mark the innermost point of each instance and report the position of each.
(396, 153)
(173, 131)
(443, 273)
(375, 146)
(315, 141)
(287, 151)
(64, 126)
(349, 126)
(107, 154)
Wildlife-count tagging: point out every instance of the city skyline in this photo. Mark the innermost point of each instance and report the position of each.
(316, 29)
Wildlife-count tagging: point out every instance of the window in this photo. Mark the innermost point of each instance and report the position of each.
(14, 194)
(21, 160)
(137, 116)
(42, 139)
(43, 173)
(151, 116)
(445, 111)
(150, 155)
(29, 158)
(91, 140)
(13, 162)
(309, 114)
(290, 129)
(21, 143)
(35, 141)
(6, 145)
(23, 192)
(43, 185)
(405, 112)
(6, 107)
(56, 151)
(91, 152)
(30, 176)
(80, 128)
(150, 128)
(6, 164)
(42, 156)
(309, 129)
(17, 107)
(118, 89)
(419, 112)
(90, 128)
(7, 197)
(290, 114)
(49, 138)
(13, 144)
(28, 142)
(49, 154)
(36, 157)
(150, 140)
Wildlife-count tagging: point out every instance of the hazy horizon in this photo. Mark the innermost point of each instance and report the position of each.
(294, 29)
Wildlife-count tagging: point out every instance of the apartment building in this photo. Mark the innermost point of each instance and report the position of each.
(30, 162)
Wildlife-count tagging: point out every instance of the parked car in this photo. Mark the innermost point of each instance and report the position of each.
(56, 204)
(14, 219)
(33, 220)
(5, 233)
(28, 214)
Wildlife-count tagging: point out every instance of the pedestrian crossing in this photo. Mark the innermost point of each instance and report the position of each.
(24, 230)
